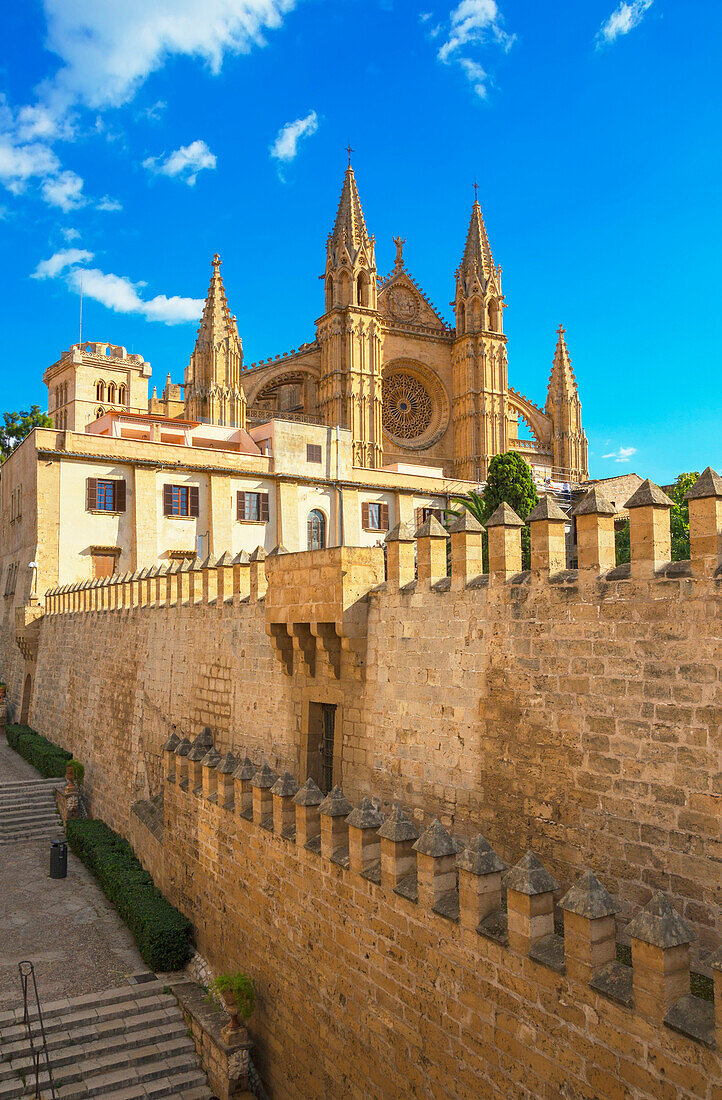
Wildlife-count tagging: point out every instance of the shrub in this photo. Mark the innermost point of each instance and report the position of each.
(162, 933)
(49, 759)
(78, 772)
(240, 986)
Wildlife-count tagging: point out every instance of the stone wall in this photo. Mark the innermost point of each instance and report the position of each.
(365, 992)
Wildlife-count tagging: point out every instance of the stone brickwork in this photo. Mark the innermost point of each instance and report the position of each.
(430, 989)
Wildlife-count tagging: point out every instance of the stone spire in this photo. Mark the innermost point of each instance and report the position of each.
(213, 391)
(350, 227)
(477, 253)
(563, 407)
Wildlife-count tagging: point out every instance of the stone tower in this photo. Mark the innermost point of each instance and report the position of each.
(564, 409)
(479, 364)
(213, 391)
(94, 378)
(349, 333)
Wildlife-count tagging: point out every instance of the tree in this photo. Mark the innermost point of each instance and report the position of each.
(509, 479)
(16, 425)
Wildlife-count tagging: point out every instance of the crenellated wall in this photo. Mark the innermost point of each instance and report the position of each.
(578, 712)
(394, 964)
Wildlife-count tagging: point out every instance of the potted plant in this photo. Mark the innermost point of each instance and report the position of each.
(237, 993)
(3, 690)
(74, 773)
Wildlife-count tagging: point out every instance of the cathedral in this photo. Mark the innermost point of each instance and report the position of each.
(387, 366)
(384, 365)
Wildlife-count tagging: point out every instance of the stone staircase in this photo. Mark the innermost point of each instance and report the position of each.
(28, 811)
(128, 1043)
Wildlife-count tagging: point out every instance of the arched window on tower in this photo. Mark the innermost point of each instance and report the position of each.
(316, 530)
(111, 393)
(65, 393)
(362, 289)
(329, 293)
(493, 315)
(461, 319)
(100, 392)
(475, 315)
(121, 393)
(344, 289)
(98, 413)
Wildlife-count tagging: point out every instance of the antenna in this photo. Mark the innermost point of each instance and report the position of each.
(80, 326)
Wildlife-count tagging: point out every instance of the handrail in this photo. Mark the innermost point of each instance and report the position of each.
(27, 971)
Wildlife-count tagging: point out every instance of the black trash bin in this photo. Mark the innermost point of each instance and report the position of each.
(58, 859)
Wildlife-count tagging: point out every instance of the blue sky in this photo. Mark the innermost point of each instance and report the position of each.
(137, 138)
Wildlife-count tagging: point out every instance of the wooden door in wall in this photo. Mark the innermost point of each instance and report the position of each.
(321, 734)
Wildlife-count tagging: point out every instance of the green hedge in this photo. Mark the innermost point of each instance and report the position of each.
(49, 759)
(163, 935)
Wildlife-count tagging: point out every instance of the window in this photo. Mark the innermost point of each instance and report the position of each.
(316, 530)
(422, 514)
(321, 744)
(104, 494)
(100, 391)
(180, 500)
(313, 452)
(98, 413)
(11, 578)
(104, 561)
(252, 507)
(375, 516)
(111, 393)
(121, 393)
(18, 491)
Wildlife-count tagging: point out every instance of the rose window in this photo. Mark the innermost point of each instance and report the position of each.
(407, 406)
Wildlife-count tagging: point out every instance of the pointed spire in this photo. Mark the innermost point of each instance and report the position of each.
(477, 253)
(350, 226)
(562, 382)
(216, 320)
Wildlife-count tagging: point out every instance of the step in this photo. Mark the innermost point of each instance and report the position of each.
(137, 1030)
(78, 1064)
(29, 821)
(139, 992)
(7, 842)
(146, 1026)
(164, 1077)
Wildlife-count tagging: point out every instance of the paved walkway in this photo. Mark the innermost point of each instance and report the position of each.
(66, 927)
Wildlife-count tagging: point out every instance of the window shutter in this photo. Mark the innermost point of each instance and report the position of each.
(365, 516)
(192, 500)
(167, 500)
(240, 507)
(263, 510)
(119, 496)
(91, 500)
(419, 516)
(384, 517)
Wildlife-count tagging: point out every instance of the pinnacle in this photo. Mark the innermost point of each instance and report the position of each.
(504, 516)
(547, 509)
(309, 794)
(365, 816)
(649, 494)
(216, 321)
(561, 381)
(477, 252)
(466, 523)
(350, 226)
(245, 770)
(660, 925)
(431, 528)
(264, 778)
(588, 898)
(708, 484)
(398, 826)
(335, 804)
(480, 858)
(228, 764)
(435, 841)
(529, 877)
(594, 504)
(286, 786)
(402, 532)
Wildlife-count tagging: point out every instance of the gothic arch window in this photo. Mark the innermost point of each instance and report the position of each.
(98, 413)
(344, 289)
(475, 315)
(316, 530)
(362, 289)
(121, 393)
(65, 393)
(100, 391)
(329, 293)
(493, 315)
(461, 319)
(111, 393)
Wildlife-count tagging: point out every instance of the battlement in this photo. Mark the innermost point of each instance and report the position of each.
(506, 928)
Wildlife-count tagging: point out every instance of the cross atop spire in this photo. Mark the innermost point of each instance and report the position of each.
(476, 191)
(217, 261)
(349, 150)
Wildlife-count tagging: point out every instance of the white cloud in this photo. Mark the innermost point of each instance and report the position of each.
(425, 16)
(108, 204)
(60, 262)
(109, 49)
(64, 190)
(475, 74)
(116, 292)
(20, 163)
(185, 163)
(473, 23)
(622, 454)
(70, 234)
(285, 146)
(622, 20)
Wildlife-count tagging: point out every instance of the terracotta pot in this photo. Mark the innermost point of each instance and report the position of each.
(229, 1003)
(70, 776)
(3, 691)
